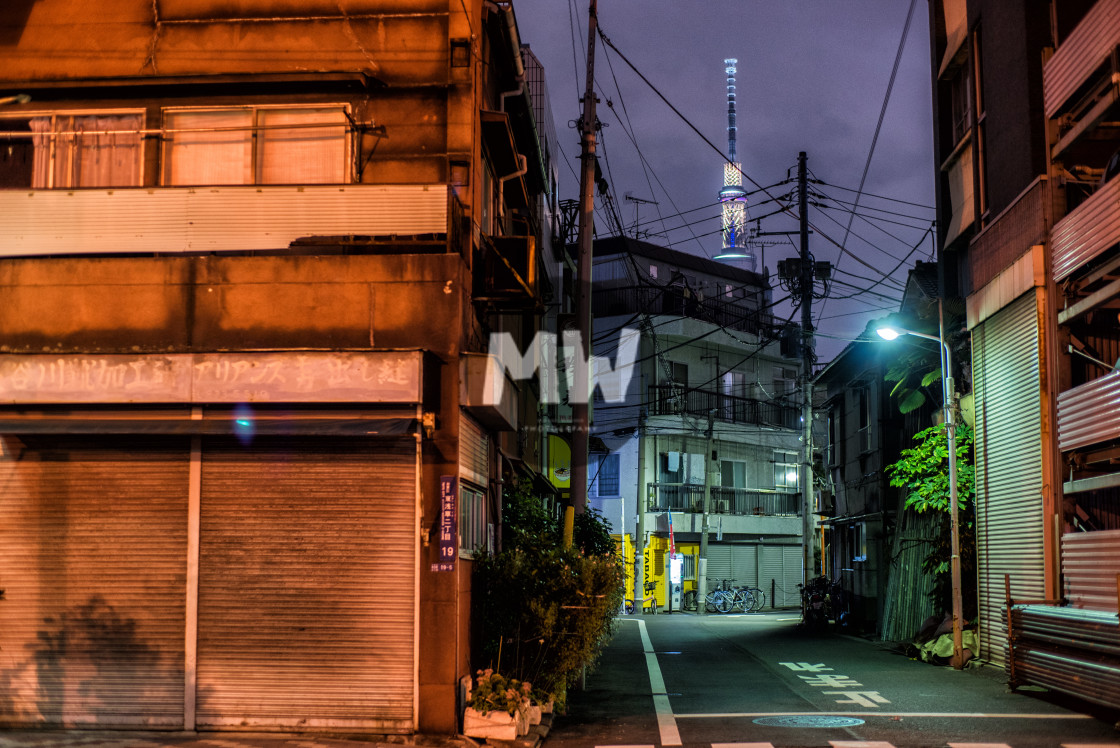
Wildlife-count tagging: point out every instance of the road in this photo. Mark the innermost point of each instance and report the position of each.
(758, 680)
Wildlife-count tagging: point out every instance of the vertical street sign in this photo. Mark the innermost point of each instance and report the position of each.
(448, 523)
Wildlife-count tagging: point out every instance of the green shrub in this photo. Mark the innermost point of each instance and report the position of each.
(544, 612)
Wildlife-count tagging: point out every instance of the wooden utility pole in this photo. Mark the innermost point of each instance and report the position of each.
(580, 393)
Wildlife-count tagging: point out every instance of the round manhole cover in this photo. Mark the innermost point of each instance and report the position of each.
(809, 720)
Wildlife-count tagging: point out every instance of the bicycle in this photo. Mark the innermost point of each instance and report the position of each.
(650, 600)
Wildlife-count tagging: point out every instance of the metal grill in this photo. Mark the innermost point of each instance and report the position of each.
(1069, 650)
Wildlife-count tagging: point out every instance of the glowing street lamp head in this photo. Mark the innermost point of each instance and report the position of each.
(888, 333)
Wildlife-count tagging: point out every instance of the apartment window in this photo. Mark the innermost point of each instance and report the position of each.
(474, 528)
(255, 146)
(863, 399)
(606, 476)
(733, 474)
(69, 151)
(786, 468)
(785, 380)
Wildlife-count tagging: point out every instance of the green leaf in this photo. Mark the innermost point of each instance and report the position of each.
(931, 377)
(913, 400)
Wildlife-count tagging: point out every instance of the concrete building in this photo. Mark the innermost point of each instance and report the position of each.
(249, 263)
(712, 374)
(1025, 101)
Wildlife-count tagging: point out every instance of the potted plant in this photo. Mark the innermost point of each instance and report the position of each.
(498, 707)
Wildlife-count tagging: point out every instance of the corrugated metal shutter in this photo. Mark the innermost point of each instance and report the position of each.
(793, 562)
(474, 451)
(719, 564)
(744, 564)
(307, 584)
(93, 536)
(1009, 466)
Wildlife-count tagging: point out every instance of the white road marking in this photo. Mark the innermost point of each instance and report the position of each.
(666, 721)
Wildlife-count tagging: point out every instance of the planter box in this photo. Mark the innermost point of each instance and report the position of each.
(497, 725)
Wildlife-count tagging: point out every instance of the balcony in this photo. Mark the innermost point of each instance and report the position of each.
(1090, 413)
(1015, 230)
(1087, 231)
(756, 502)
(1087, 49)
(671, 300)
(671, 399)
(214, 219)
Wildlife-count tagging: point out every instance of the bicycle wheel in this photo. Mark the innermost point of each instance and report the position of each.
(759, 599)
(726, 601)
(711, 600)
(744, 600)
(629, 607)
(688, 602)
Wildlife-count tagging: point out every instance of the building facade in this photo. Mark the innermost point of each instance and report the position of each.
(1025, 99)
(712, 402)
(249, 266)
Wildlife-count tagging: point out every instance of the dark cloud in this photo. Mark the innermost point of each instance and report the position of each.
(812, 76)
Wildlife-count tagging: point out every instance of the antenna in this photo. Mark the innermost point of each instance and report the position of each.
(733, 197)
(637, 203)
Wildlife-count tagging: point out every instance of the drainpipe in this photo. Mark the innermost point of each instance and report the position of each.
(502, 181)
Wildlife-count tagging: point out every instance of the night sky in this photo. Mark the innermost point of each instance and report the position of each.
(812, 76)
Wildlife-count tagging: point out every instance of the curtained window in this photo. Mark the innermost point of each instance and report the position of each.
(100, 150)
(256, 146)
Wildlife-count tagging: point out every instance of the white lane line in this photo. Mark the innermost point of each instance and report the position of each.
(666, 722)
(969, 715)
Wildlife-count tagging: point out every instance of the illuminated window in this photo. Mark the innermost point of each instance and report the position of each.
(68, 151)
(786, 467)
(255, 146)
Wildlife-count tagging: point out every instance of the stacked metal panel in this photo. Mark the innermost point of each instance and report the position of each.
(1069, 650)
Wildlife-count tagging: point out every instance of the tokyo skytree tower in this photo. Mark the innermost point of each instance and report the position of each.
(733, 196)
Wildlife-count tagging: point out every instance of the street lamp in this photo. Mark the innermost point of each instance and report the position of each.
(890, 333)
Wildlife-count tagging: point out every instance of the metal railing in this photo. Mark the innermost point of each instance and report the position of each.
(673, 300)
(672, 399)
(689, 497)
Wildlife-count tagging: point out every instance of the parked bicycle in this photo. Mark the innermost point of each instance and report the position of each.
(650, 600)
(724, 598)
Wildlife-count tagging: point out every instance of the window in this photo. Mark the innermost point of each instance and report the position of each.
(68, 151)
(255, 146)
(864, 405)
(785, 380)
(786, 468)
(474, 529)
(733, 474)
(672, 468)
(605, 479)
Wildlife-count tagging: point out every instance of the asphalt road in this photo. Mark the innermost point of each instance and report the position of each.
(754, 679)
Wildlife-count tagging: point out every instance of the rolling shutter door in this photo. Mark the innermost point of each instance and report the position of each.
(744, 566)
(92, 559)
(1009, 466)
(794, 563)
(307, 584)
(719, 565)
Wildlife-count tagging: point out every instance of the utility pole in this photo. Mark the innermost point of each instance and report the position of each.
(642, 505)
(581, 397)
(807, 277)
(702, 562)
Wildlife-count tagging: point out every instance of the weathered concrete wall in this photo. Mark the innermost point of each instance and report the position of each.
(232, 303)
(400, 42)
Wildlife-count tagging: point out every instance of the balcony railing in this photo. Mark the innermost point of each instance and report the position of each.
(213, 219)
(1086, 49)
(671, 399)
(674, 301)
(1090, 413)
(689, 497)
(1088, 230)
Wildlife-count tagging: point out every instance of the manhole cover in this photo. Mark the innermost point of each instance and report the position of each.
(809, 720)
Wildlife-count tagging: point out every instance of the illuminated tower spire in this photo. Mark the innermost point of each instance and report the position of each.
(733, 196)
